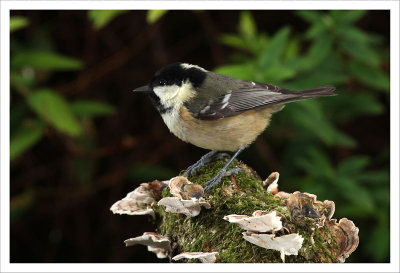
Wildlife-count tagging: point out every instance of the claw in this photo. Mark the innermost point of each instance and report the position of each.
(209, 157)
(222, 156)
(209, 184)
(190, 170)
(233, 171)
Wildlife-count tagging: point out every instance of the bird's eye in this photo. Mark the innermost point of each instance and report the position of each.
(162, 82)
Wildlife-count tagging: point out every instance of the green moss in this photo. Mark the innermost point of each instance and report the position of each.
(209, 232)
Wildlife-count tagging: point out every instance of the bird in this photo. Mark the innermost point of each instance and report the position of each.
(217, 112)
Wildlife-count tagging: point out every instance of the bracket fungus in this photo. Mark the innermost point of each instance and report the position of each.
(291, 227)
(347, 234)
(261, 221)
(141, 200)
(306, 205)
(204, 257)
(181, 187)
(285, 244)
(156, 243)
(271, 183)
(188, 197)
(189, 208)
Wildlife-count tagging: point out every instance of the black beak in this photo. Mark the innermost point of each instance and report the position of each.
(143, 89)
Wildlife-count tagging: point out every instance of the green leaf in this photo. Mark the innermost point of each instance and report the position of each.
(374, 177)
(316, 163)
(360, 52)
(44, 61)
(55, 110)
(26, 136)
(370, 76)
(328, 72)
(317, 53)
(242, 71)
(154, 15)
(357, 44)
(378, 244)
(247, 25)
(356, 194)
(354, 35)
(309, 115)
(353, 105)
(101, 18)
(344, 140)
(277, 73)
(18, 80)
(273, 52)
(18, 22)
(311, 16)
(233, 40)
(293, 49)
(317, 78)
(347, 16)
(353, 165)
(315, 30)
(91, 108)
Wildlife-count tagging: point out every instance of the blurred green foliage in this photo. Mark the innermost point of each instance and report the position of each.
(17, 22)
(28, 69)
(154, 15)
(339, 54)
(42, 110)
(101, 18)
(44, 60)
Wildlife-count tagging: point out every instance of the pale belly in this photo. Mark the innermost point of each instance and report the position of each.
(228, 134)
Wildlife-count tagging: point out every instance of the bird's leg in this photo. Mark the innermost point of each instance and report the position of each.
(208, 157)
(223, 172)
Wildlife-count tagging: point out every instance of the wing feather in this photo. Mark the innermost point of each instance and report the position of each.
(254, 95)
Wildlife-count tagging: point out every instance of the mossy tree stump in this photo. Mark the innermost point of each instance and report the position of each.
(242, 194)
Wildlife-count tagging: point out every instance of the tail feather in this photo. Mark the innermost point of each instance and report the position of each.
(323, 91)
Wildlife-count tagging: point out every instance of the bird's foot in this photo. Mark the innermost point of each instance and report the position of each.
(207, 158)
(222, 173)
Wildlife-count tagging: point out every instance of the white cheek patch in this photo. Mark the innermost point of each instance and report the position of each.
(174, 95)
(166, 94)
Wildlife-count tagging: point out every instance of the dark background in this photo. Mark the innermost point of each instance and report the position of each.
(62, 185)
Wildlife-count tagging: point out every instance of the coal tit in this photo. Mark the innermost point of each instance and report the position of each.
(217, 112)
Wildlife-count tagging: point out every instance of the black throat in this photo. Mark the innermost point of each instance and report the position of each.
(157, 104)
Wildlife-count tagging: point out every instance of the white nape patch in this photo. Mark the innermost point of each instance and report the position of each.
(205, 109)
(253, 83)
(187, 66)
(226, 98)
(174, 95)
(224, 105)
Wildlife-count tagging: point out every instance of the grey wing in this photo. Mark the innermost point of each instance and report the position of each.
(251, 96)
